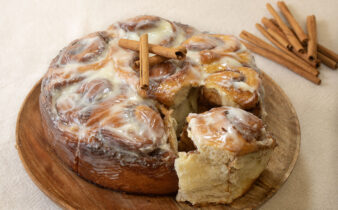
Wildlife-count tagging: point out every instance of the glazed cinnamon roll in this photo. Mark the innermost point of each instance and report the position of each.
(227, 77)
(237, 87)
(99, 125)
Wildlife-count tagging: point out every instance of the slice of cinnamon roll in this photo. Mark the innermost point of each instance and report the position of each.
(232, 150)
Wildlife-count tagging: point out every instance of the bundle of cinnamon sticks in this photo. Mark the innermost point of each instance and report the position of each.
(298, 51)
(145, 62)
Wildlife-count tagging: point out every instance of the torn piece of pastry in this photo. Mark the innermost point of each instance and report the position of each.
(232, 150)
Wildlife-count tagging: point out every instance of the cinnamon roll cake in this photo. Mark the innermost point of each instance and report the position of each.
(193, 128)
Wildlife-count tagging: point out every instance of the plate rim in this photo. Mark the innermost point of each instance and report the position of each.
(50, 195)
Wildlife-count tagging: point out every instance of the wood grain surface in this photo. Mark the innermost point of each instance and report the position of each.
(72, 192)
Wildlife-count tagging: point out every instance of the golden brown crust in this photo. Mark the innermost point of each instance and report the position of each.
(154, 175)
(56, 138)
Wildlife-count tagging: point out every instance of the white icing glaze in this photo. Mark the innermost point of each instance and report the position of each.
(218, 128)
(156, 35)
(229, 61)
(194, 56)
(123, 81)
(243, 86)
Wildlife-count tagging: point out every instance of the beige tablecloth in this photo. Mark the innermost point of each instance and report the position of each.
(33, 31)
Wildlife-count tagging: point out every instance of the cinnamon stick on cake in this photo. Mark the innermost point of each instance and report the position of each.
(175, 53)
(144, 60)
(153, 60)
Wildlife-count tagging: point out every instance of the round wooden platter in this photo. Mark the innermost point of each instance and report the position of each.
(72, 192)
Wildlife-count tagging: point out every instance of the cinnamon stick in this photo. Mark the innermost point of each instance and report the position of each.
(320, 48)
(327, 61)
(280, 39)
(275, 23)
(143, 93)
(260, 43)
(269, 37)
(327, 52)
(312, 43)
(292, 21)
(313, 63)
(269, 24)
(282, 61)
(175, 53)
(153, 60)
(288, 33)
(300, 61)
(144, 60)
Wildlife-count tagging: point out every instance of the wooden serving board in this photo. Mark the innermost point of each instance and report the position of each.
(72, 192)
